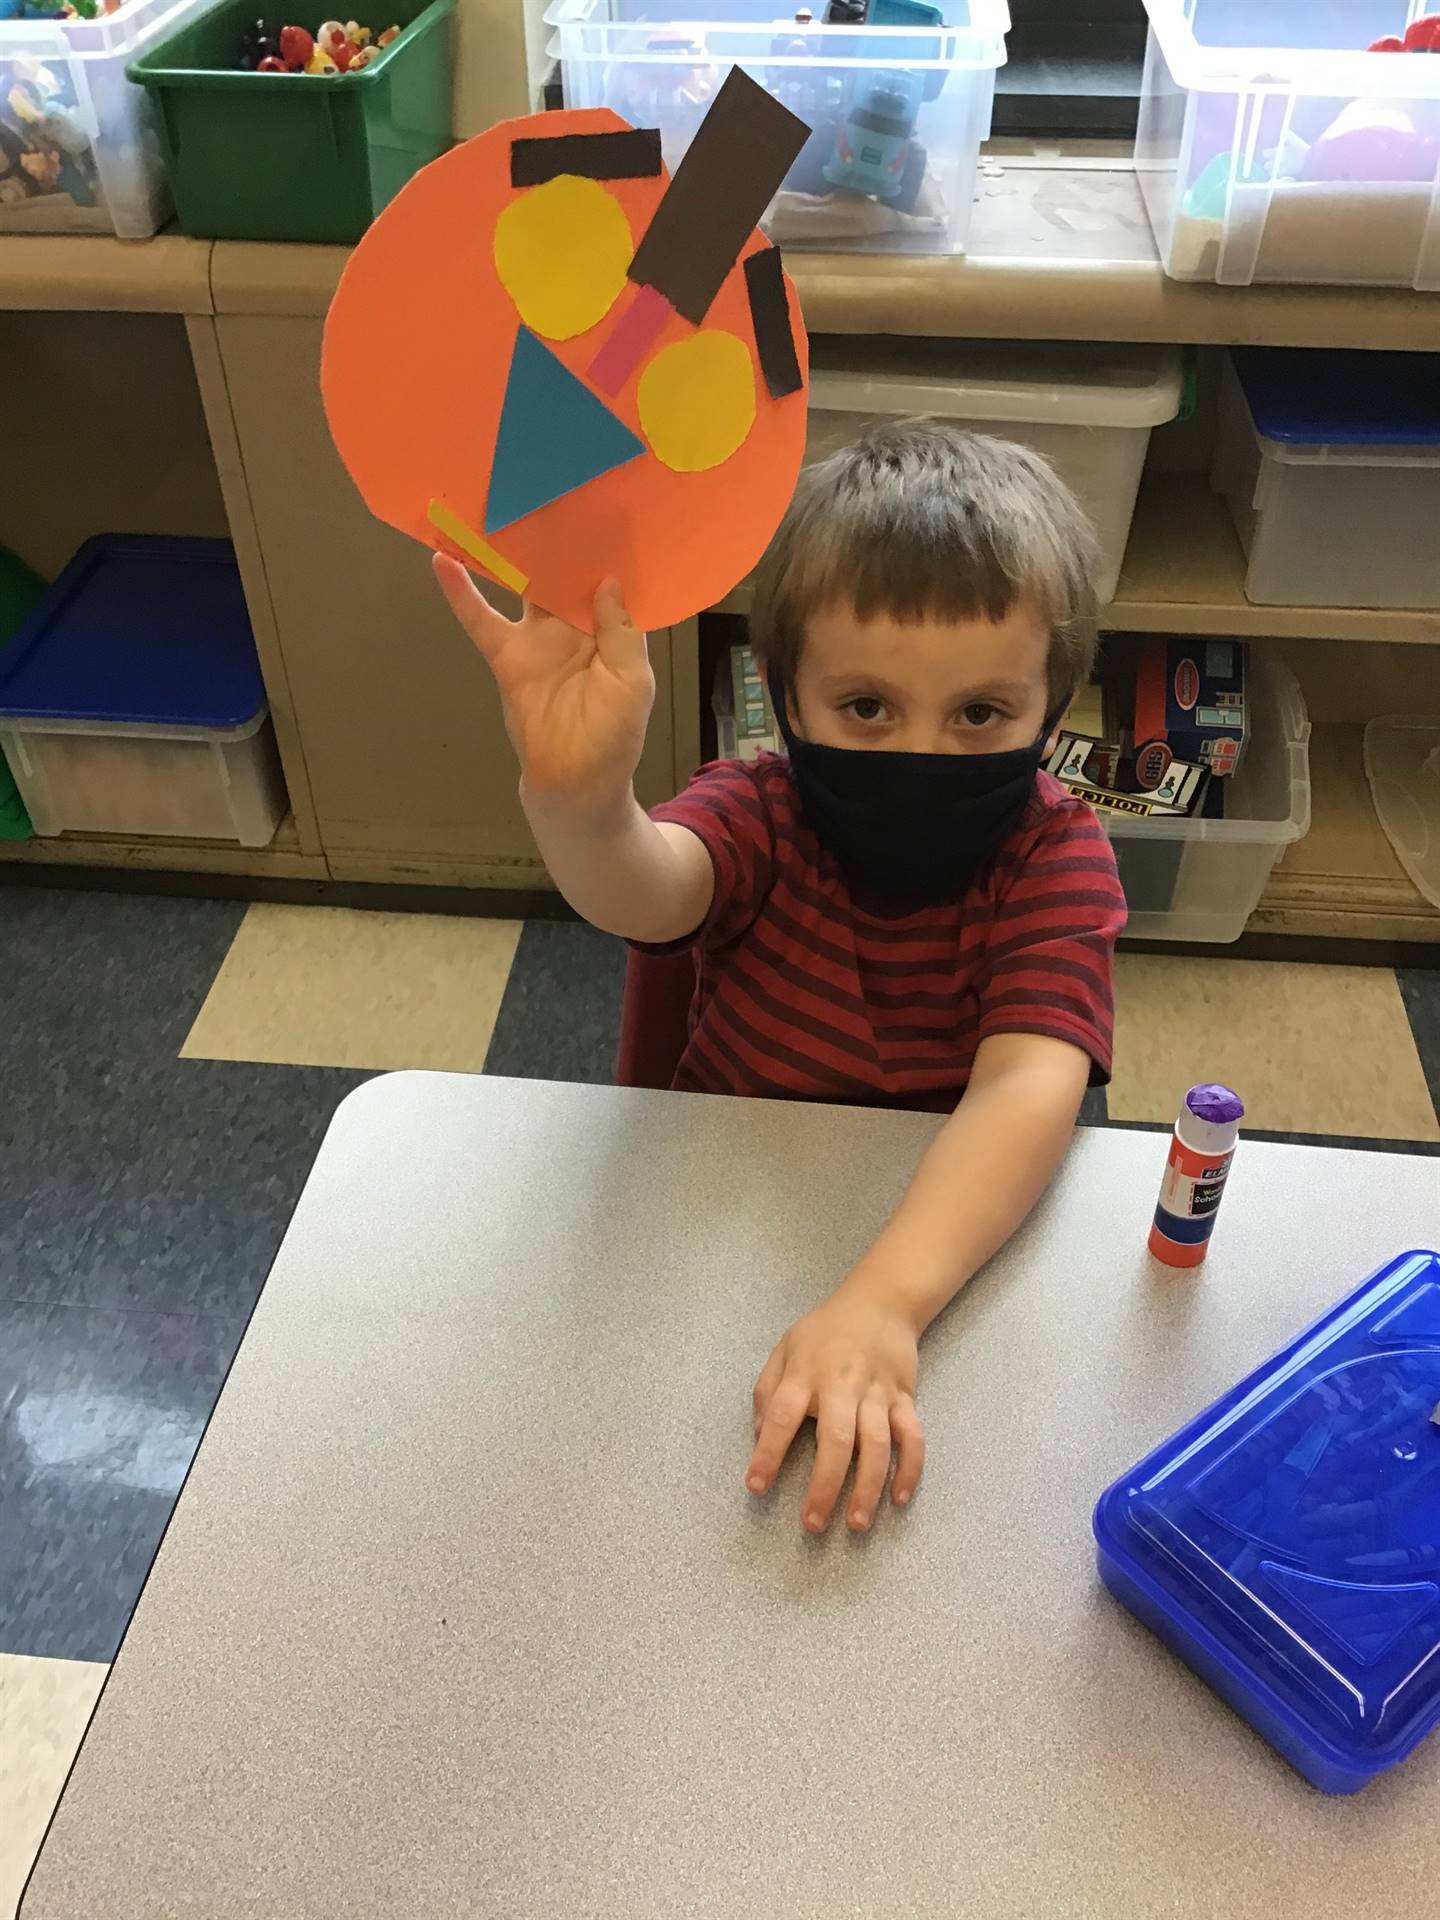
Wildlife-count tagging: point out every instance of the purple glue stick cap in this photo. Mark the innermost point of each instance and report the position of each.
(1220, 1106)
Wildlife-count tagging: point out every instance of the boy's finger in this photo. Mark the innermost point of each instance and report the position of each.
(782, 1422)
(909, 1438)
(619, 643)
(872, 1428)
(770, 1375)
(834, 1445)
(488, 629)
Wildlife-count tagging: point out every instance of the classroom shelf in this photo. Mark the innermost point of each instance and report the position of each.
(58, 273)
(1061, 249)
(1184, 572)
(281, 860)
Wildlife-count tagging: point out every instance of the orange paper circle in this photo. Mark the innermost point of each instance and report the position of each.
(417, 350)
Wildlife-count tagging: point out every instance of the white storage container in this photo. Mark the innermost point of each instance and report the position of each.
(905, 107)
(131, 700)
(1202, 879)
(1402, 764)
(1332, 509)
(1087, 409)
(78, 152)
(182, 784)
(1273, 146)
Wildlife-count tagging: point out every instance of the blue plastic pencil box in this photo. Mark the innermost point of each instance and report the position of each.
(1286, 1543)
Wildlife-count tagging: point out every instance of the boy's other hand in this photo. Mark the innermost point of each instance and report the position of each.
(576, 708)
(852, 1366)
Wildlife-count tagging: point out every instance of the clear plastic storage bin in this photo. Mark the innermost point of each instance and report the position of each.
(78, 148)
(1088, 410)
(131, 700)
(1202, 879)
(1273, 146)
(898, 113)
(1330, 463)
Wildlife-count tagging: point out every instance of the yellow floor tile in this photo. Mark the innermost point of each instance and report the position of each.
(45, 1706)
(1310, 1049)
(328, 987)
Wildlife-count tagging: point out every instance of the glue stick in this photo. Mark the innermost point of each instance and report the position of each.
(1201, 1149)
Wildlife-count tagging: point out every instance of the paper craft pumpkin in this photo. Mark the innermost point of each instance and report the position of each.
(507, 379)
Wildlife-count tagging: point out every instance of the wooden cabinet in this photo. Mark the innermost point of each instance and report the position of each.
(409, 771)
(174, 386)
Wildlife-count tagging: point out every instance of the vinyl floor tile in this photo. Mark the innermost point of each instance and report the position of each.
(100, 1415)
(332, 987)
(100, 983)
(1311, 1049)
(168, 1189)
(45, 1706)
(560, 1017)
(1420, 992)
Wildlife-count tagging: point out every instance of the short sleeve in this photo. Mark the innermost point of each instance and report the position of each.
(725, 808)
(1052, 948)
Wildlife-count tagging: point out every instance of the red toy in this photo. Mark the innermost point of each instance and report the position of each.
(1421, 36)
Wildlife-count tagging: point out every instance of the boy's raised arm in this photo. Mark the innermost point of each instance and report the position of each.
(576, 709)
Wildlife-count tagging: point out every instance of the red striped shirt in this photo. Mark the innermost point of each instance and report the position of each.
(804, 992)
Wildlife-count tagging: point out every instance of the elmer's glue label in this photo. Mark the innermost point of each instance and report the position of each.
(1201, 1149)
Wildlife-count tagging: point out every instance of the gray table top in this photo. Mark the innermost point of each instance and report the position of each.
(465, 1610)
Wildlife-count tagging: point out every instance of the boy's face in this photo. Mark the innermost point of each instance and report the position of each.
(969, 686)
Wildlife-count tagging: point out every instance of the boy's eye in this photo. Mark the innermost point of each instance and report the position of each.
(866, 706)
(978, 714)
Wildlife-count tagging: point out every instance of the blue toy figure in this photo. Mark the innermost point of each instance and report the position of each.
(874, 139)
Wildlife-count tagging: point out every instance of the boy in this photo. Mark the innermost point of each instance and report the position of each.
(901, 911)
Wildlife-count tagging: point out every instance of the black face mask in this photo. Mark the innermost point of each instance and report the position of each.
(916, 825)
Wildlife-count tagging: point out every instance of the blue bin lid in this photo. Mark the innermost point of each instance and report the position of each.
(140, 629)
(1293, 1529)
(1341, 396)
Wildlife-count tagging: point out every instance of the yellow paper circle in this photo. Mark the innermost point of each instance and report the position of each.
(562, 251)
(697, 400)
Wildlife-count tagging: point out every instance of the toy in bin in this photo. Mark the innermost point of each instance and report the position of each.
(1286, 1542)
(1189, 705)
(45, 146)
(333, 48)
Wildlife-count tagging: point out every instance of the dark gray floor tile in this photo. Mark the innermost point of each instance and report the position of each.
(95, 982)
(100, 1414)
(560, 1018)
(1420, 990)
(1094, 1108)
(168, 1189)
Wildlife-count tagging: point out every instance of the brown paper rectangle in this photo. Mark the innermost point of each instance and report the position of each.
(632, 155)
(745, 146)
(770, 317)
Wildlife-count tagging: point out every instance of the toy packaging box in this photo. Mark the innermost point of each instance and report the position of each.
(1189, 706)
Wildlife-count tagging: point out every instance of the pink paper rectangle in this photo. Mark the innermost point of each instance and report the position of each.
(628, 340)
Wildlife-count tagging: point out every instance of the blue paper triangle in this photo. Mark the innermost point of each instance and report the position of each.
(554, 436)
(1366, 1620)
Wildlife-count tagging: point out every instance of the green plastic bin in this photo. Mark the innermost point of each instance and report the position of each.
(296, 156)
(20, 589)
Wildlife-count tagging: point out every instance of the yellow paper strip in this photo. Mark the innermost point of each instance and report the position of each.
(468, 541)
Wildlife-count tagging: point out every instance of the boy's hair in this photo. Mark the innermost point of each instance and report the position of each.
(920, 520)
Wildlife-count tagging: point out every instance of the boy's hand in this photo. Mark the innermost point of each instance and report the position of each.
(576, 708)
(852, 1365)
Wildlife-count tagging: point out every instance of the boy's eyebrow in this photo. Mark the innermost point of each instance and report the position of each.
(996, 689)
